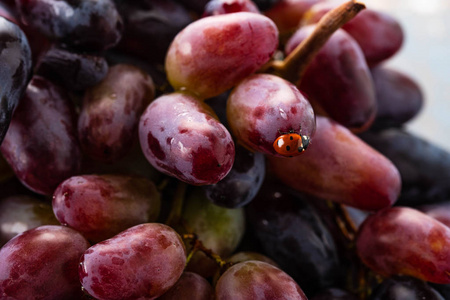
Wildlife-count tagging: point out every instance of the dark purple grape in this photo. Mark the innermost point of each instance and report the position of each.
(196, 5)
(266, 4)
(194, 285)
(109, 117)
(221, 7)
(404, 288)
(294, 236)
(443, 289)
(22, 212)
(85, 24)
(142, 262)
(338, 82)
(257, 280)
(240, 186)
(15, 63)
(424, 167)
(101, 206)
(150, 26)
(399, 97)
(75, 71)
(181, 137)
(334, 294)
(41, 144)
(42, 263)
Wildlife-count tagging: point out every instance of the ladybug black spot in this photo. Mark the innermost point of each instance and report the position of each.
(291, 138)
(288, 148)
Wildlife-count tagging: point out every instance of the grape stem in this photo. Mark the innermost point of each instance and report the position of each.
(293, 67)
(176, 210)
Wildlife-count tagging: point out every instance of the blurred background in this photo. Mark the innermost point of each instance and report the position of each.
(425, 56)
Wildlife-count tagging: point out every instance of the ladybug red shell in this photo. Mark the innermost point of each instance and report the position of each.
(291, 144)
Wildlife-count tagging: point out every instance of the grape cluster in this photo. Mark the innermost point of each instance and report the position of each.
(222, 149)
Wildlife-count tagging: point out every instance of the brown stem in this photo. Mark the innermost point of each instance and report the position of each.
(197, 245)
(177, 205)
(294, 65)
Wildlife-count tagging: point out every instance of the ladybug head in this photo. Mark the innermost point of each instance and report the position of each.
(304, 143)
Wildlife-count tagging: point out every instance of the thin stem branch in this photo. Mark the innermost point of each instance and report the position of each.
(177, 205)
(293, 67)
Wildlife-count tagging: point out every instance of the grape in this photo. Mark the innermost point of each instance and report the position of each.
(335, 294)
(379, 35)
(150, 26)
(288, 14)
(22, 212)
(15, 63)
(213, 54)
(248, 255)
(399, 97)
(196, 5)
(338, 82)
(33, 263)
(41, 144)
(404, 288)
(111, 110)
(221, 7)
(75, 71)
(338, 166)
(402, 240)
(218, 228)
(293, 235)
(240, 186)
(424, 167)
(181, 137)
(264, 106)
(438, 211)
(257, 280)
(142, 262)
(101, 206)
(194, 285)
(88, 24)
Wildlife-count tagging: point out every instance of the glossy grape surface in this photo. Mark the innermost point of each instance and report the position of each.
(33, 263)
(15, 63)
(242, 184)
(181, 137)
(399, 97)
(438, 211)
(111, 110)
(206, 58)
(101, 206)
(379, 35)
(338, 166)
(257, 280)
(41, 144)
(221, 7)
(142, 262)
(263, 107)
(401, 240)
(87, 24)
(338, 81)
(75, 71)
(192, 284)
(219, 229)
(293, 234)
(423, 166)
(150, 26)
(20, 213)
(404, 288)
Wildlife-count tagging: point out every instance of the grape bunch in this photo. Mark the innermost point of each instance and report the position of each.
(221, 149)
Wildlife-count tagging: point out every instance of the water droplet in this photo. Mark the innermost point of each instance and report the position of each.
(283, 114)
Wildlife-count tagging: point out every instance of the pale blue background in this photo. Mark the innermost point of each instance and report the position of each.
(426, 57)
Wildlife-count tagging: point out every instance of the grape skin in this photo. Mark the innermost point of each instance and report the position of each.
(213, 54)
(262, 107)
(340, 167)
(142, 262)
(41, 263)
(192, 284)
(181, 137)
(101, 206)
(257, 280)
(402, 240)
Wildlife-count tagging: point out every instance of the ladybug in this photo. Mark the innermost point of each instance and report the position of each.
(291, 143)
